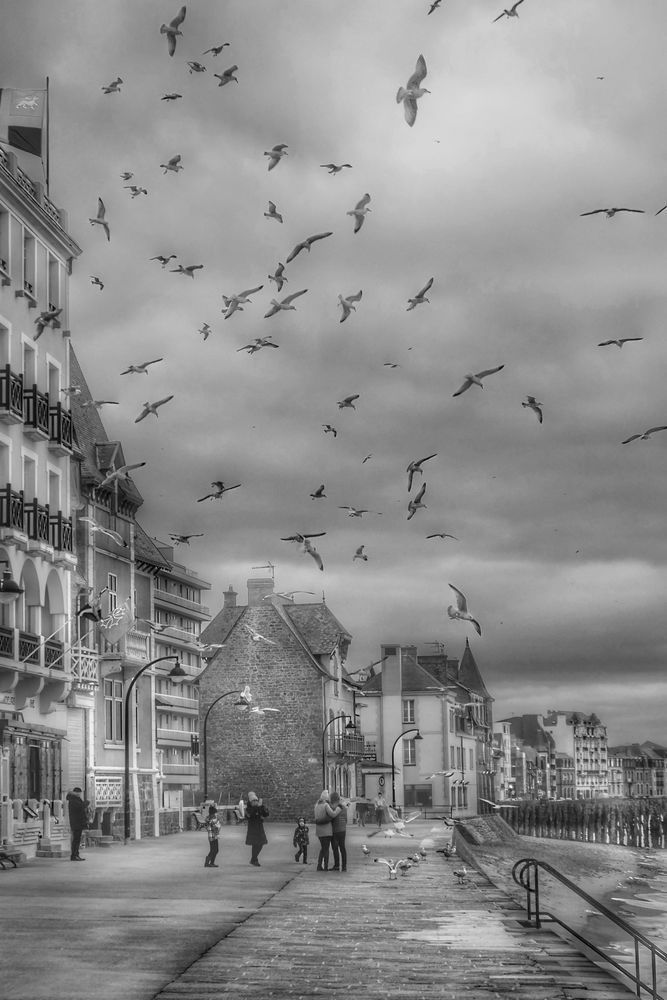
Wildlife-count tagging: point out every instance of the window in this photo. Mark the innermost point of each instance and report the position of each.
(112, 584)
(53, 290)
(459, 758)
(408, 711)
(29, 366)
(409, 752)
(418, 795)
(29, 477)
(4, 242)
(113, 711)
(29, 264)
(471, 760)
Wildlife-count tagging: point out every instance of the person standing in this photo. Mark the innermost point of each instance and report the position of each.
(324, 813)
(213, 831)
(255, 812)
(78, 821)
(380, 806)
(301, 839)
(339, 827)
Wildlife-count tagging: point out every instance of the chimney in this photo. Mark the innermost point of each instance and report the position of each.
(259, 588)
(229, 598)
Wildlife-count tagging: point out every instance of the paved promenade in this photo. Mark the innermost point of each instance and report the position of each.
(148, 921)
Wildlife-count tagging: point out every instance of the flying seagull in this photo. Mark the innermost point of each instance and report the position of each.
(306, 245)
(358, 511)
(99, 403)
(619, 342)
(645, 436)
(348, 402)
(188, 270)
(309, 548)
(434, 6)
(476, 379)
(346, 303)
(496, 805)
(273, 213)
(135, 191)
(285, 304)
(278, 276)
(416, 467)
(100, 220)
(152, 408)
(301, 538)
(443, 535)
(276, 154)
(360, 211)
(215, 50)
(335, 168)
(205, 331)
(328, 429)
(359, 554)
(171, 30)
(114, 87)
(512, 12)
(234, 302)
(141, 369)
(185, 539)
(257, 637)
(227, 76)
(164, 260)
(257, 345)
(122, 473)
(196, 67)
(94, 280)
(48, 317)
(319, 493)
(415, 503)
(611, 212)
(420, 297)
(173, 165)
(413, 90)
(171, 97)
(461, 612)
(97, 528)
(220, 490)
(127, 175)
(532, 404)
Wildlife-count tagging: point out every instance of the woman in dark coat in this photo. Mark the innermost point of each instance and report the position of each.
(255, 837)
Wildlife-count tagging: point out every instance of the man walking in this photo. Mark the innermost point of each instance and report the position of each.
(78, 821)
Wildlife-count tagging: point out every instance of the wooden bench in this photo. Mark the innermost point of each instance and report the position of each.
(9, 856)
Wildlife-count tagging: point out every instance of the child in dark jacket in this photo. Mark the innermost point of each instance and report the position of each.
(301, 840)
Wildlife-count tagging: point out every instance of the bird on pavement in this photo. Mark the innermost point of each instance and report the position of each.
(185, 539)
(141, 369)
(227, 76)
(100, 220)
(276, 154)
(220, 490)
(346, 303)
(391, 865)
(96, 528)
(173, 165)
(476, 379)
(365, 851)
(532, 404)
(285, 304)
(619, 342)
(645, 435)
(461, 875)
(461, 612)
(278, 276)
(416, 467)
(171, 30)
(273, 213)
(306, 245)
(415, 503)
(420, 297)
(412, 91)
(360, 211)
(114, 87)
(348, 402)
(152, 408)
(512, 12)
(335, 168)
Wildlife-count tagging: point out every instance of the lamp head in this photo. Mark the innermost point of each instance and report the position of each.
(10, 590)
(177, 673)
(418, 736)
(350, 725)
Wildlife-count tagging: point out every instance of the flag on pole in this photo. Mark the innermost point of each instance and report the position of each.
(117, 624)
(23, 127)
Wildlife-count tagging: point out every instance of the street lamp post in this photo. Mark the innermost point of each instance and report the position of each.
(243, 700)
(176, 671)
(393, 767)
(349, 725)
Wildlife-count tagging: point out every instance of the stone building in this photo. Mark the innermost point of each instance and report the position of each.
(292, 657)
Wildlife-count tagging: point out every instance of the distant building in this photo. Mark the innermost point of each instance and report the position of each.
(637, 770)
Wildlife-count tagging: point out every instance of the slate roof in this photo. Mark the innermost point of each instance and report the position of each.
(528, 730)
(436, 671)
(92, 445)
(469, 674)
(146, 551)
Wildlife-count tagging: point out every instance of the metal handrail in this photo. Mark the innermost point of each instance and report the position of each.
(526, 874)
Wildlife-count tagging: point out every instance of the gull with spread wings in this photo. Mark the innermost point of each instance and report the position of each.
(278, 276)
(416, 467)
(460, 612)
(347, 304)
(171, 30)
(185, 539)
(360, 211)
(609, 213)
(141, 369)
(416, 502)
(285, 304)
(173, 165)
(257, 636)
(420, 297)
(276, 154)
(532, 404)
(412, 91)
(122, 473)
(235, 302)
(152, 408)
(619, 342)
(48, 317)
(227, 76)
(335, 168)
(645, 435)
(96, 528)
(220, 490)
(306, 245)
(512, 12)
(476, 379)
(100, 219)
(348, 402)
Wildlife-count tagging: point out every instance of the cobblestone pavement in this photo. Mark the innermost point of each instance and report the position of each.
(147, 921)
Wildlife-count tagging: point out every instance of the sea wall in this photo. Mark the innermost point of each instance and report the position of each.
(623, 822)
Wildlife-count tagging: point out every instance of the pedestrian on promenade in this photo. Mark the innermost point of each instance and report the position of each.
(78, 821)
(213, 831)
(324, 813)
(339, 827)
(255, 812)
(301, 840)
(380, 806)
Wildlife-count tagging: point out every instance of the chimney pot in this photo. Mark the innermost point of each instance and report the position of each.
(229, 598)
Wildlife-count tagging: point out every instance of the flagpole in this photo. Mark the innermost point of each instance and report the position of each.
(44, 641)
(48, 126)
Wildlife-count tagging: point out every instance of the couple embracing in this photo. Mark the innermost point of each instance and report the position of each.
(330, 827)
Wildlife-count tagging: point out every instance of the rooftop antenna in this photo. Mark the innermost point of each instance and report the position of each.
(268, 565)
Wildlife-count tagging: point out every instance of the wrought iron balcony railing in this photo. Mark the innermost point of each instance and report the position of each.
(11, 395)
(36, 520)
(60, 428)
(36, 412)
(11, 508)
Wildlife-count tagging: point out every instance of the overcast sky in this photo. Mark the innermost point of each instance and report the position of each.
(531, 121)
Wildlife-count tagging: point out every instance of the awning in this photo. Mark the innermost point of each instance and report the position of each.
(375, 767)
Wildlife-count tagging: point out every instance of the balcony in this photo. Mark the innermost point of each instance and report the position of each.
(347, 746)
(32, 666)
(173, 737)
(60, 534)
(165, 599)
(34, 191)
(37, 524)
(85, 668)
(11, 396)
(60, 430)
(28, 293)
(12, 522)
(36, 413)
